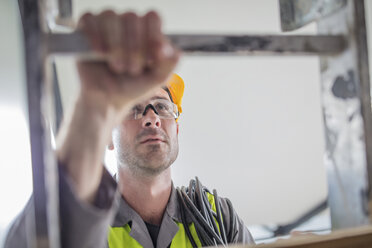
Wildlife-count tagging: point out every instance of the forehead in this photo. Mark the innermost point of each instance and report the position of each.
(160, 93)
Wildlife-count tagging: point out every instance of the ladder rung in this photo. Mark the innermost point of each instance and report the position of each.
(76, 43)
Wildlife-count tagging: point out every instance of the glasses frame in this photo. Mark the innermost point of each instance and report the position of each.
(137, 116)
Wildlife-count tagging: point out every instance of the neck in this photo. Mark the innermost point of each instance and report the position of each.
(147, 195)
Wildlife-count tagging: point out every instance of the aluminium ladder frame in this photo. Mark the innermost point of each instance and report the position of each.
(346, 102)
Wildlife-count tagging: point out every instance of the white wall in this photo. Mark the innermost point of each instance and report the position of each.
(251, 128)
(15, 165)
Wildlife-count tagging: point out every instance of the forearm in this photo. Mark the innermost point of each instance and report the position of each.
(81, 144)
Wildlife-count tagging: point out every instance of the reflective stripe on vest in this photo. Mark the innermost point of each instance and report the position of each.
(120, 236)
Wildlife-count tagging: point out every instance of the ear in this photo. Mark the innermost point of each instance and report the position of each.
(111, 145)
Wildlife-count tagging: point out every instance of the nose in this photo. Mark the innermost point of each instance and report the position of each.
(151, 119)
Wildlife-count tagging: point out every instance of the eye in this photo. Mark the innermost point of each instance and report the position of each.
(162, 107)
(137, 108)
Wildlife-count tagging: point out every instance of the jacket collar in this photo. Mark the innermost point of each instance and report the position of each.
(168, 229)
(127, 214)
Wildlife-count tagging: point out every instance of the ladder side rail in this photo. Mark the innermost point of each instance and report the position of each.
(45, 231)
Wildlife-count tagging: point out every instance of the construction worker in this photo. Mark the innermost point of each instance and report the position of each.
(132, 102)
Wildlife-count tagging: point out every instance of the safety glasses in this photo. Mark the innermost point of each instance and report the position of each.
(163, 108)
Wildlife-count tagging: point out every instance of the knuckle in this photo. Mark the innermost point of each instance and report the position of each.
(129, 16)
(152, 15)
(152, 19)
(85, 18)
(107, 14)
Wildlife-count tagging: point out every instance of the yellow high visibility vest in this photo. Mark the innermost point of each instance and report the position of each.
(119, 236)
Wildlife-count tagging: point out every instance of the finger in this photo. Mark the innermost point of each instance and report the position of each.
(154, 37)
(111, 31)
(133, 36)
(88, 26)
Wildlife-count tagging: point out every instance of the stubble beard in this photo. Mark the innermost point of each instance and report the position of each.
(148, 160)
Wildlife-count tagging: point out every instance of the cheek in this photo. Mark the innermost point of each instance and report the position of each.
(125, 133)
(172, 130)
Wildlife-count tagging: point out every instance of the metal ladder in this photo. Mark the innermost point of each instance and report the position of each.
(341, 45)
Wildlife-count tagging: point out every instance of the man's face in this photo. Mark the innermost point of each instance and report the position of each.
(148, 145)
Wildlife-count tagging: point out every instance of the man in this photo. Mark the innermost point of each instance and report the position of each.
(123, 102)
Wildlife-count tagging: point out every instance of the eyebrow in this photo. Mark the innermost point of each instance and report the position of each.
(159, 97)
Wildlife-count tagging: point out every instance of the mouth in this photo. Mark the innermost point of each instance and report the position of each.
(152, 140)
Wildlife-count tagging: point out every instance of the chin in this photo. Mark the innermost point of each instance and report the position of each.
(156, 152)
(157, 161)
(154, 169)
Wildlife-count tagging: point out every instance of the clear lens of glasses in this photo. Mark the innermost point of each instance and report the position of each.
(163, 108)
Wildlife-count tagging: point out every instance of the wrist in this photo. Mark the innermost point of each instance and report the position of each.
(99, 107)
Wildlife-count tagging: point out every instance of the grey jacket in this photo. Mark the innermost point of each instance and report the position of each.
(84, 225)
(169, 228)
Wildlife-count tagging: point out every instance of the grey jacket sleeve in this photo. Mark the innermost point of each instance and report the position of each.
(82, 225)
(17, 234)
(236, 231)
